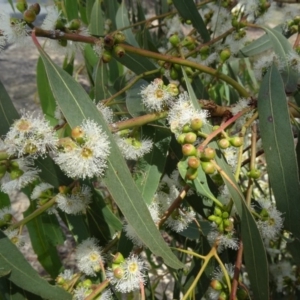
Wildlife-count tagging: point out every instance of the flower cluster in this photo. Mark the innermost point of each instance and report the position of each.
(85, 155)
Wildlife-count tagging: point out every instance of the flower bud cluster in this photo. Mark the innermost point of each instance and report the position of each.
(222, 219)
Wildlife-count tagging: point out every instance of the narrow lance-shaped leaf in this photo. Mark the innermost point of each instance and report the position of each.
(123, 21)
(69, 94)
(23, 275)
(279, 148)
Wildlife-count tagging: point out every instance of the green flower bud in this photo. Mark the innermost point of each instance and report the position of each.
(223, 296)
(190, 138)
(36, 8)
(118, 258)
(21, 5)
(119, 51)
(189, 150)
(174, 40)
(174, 74)
(225, 215)
(181, 139)
(208, 167)
(60, 24)
(216, 285)
(254, 174)
(193, 162)
(208, 154)
(15, 173)
(223, 143)
(224, 55)
(217, 211)
(29, 16)
(106, 56)
(172, 89)
(236, 141)
(118, 273)
(196, 124)
(87, 283)
(74, 24)
(187, 128)
(188, 41)
(119, 37)
(109, 41)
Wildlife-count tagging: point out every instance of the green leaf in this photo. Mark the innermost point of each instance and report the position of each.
(24, 276)
(111, 8)
(282, 48)
(259, 45)
(8, 113)
(83, 11)
(153, 163)
(89, 8)
(123, 21)
(199, 88)
(189, 11)
(134, 102)
(278, 145)
(192, 232)
(69, 94)
(97, 21)
(45, 94)
(71, 9)
(4, 200)
(45, 234)
(101, 82)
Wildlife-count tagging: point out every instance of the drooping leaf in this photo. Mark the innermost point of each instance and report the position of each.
(97, 20)
(153, 163)
(45, 234)
(111, 8)
(8, 113)
(118, 180)
(101, 81)
(278, 145)
(134, 100)
(259, 45)
(123, 21)
(89, 9)
(45, 95)
(188, 11)
(71, 9)
(282, 49)
(23, 275)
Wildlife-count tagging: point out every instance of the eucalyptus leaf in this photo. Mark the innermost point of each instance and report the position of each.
(278, 145)
(68, 93)
(23, 275)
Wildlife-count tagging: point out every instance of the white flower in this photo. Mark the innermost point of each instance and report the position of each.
(81, 292)
(15, 237)
(133, 149)
(86, 159)
(76, 202)
(13, 30)
(271, 223)
(23, 174)
(181, 217)
(106, 112)
(155, 96)
(39, 189)
(53, 14)
(89, 259)
(231, 155)
(294, 61)
(223, 240)
(131, 275)
(219, 276)
(183, 112)
(30, 135)
(282, 271)
(174, 26)
(6, 214)
(58, 115)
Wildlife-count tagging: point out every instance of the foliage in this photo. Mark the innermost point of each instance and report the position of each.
(178, 159)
